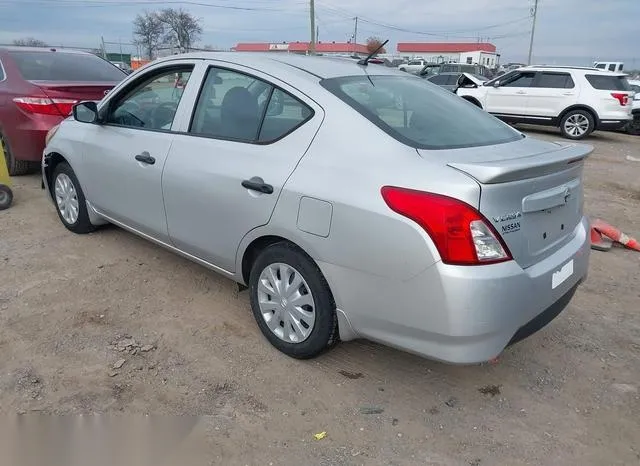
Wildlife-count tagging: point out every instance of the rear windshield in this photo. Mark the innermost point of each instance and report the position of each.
(420, 114)
(608, 83)
(61, 66)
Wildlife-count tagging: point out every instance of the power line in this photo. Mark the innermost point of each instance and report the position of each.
(104, 4)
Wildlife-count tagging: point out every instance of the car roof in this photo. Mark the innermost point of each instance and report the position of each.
(568, 68)
(19, 48)
(321, 67)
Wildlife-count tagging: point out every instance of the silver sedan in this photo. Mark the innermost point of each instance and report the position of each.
(353, 201)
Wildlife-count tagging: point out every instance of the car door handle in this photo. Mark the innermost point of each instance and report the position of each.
(145, 157)
(521, 92)
(567, 93)
(257, 184)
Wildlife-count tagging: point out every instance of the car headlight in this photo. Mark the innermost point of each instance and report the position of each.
(50, 134)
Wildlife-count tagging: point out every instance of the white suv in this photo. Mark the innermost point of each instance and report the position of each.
(577, 100)
(414, 66)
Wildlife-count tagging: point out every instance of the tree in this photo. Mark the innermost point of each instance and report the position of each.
(29, 42)
(148, 32)
(182, 29)
(373, 43)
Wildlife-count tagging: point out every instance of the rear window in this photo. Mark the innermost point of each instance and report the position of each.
(608, 83)
(61, 66)
(420, 114)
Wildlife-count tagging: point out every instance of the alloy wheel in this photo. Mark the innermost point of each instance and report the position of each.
(576, 125)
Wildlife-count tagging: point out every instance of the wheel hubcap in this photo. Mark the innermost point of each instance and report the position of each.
(67, 199)
(286, 303)
(576, 125)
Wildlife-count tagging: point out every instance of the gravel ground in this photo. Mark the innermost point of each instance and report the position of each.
(108, 323)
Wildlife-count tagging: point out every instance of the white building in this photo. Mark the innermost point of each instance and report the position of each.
(480, 53)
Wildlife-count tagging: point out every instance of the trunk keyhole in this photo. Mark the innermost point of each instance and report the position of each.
(544, 235)
(562, 226)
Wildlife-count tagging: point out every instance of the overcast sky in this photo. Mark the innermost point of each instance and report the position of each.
(567, 31)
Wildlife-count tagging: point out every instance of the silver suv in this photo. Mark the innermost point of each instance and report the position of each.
(577, 100)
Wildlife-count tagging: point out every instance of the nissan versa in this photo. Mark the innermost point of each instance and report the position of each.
(354, 201)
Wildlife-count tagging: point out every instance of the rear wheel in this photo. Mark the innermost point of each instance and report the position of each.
(70, 201)
(292, 302)
(634, 126)
(577, 124)
(15, 167)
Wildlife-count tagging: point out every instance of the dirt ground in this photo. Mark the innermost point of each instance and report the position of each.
(568, 395)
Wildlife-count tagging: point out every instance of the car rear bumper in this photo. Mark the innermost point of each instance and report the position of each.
(27, 138)
(613, 124)
(461, 315)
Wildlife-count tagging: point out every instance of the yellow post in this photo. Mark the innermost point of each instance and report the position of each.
(6, 195)
(4, 170)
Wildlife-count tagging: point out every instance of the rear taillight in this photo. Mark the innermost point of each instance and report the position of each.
(45, 105)
(462, 234)
(622, 98)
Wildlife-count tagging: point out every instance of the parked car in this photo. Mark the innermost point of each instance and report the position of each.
(478, 70)
(265, 184)
(634, 125)
(38, 87)
(449, 81)
(615, 66)
(577, 100)
(414, 66)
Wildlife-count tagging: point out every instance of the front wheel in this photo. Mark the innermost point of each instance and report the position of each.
(292, 302)
(70, 201)
(6, 197)
(577, 124)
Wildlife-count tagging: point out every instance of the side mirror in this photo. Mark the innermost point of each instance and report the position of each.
(86, 112)
(496, 83)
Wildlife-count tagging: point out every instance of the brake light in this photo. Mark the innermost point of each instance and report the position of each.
(462, 234)
(45, 105)
(622, 98)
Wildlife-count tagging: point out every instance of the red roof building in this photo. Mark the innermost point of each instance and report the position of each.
(445, 47)
(301, 47)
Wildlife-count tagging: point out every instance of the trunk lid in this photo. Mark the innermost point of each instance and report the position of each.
(531, 192)
(78, 91)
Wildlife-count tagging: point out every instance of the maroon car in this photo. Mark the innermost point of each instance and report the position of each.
(38, 88)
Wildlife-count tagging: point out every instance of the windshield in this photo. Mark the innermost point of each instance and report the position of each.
(61, 66)
(420, 114)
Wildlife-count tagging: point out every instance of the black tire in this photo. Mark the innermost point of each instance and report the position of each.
(15, 167)
(324, 334)
(634, 126)
(577, 113)
(6, 197)
(82, 225)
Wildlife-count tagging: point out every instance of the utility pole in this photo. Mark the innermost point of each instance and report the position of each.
(355, 35)
(312, 17)
(104, 49)
(317, 34)
(534, 13)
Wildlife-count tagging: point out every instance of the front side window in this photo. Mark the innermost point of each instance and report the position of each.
(612, 67)
(418, 114)
(520, 80)
(153, 103)
(239, 107)
(439, 79)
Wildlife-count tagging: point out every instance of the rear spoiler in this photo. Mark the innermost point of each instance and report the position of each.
(522, 168)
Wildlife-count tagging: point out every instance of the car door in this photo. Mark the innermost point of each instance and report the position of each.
(510, 97)
(550, 93)
(224, 173)
(123, 155)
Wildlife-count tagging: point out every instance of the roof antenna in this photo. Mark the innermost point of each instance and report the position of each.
(365, 61)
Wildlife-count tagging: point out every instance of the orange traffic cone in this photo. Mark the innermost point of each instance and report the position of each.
(615, 234)
(599, 242)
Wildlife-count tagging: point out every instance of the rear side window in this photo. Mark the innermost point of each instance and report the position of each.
(418, 114)
(62, 66)
(440, 79)
(239, 107)
(554, 81)
(604, 82)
